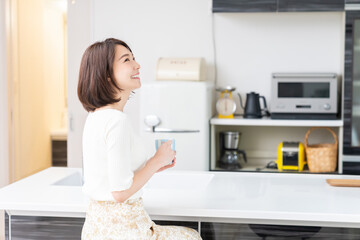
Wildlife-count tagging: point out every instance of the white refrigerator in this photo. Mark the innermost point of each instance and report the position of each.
(178, 110)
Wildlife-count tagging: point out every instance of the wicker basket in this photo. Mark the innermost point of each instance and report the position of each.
(321, 157)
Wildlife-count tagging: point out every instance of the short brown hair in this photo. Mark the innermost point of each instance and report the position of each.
(97, 85)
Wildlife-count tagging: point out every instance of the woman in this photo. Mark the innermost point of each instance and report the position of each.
(115, 167)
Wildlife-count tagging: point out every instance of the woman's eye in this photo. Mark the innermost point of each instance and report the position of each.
(127, 60)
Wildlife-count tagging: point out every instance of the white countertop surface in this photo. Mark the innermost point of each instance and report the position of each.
(278, 198)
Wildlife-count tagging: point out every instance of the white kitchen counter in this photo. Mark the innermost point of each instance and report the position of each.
(268, 198)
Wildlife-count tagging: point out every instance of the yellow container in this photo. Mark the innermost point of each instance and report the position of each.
(291, 156)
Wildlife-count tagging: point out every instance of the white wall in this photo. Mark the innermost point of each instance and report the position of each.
(156, 29)
(249, 46)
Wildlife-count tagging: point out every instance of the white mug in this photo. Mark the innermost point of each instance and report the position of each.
(158, 143)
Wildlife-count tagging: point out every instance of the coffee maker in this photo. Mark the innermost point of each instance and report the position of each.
(229, 150)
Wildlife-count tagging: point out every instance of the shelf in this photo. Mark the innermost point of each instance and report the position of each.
(240, 121)
(246, 167)
(269, 170)
(59, 134)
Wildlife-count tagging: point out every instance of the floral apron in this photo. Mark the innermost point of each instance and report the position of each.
(106, 220)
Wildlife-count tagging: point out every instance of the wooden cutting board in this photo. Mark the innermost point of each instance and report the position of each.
(344, 182)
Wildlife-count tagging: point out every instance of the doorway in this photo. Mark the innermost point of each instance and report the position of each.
(37, 82)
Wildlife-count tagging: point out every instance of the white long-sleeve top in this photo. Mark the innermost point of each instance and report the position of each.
(111, 154)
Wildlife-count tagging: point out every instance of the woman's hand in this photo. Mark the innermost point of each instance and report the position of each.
(167, 166)
(164, 155)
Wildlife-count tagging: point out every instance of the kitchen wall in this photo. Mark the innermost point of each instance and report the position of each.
(249, 47)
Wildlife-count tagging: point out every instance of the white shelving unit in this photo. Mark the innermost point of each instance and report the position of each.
(239, 122)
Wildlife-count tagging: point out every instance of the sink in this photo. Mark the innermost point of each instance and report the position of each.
(174, 180)
(180, 181)
(74, 179)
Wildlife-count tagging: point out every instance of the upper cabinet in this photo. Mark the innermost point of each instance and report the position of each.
(244, 5)
(310, 5)
(278, 5)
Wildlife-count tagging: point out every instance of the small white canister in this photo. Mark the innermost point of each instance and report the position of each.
(187, 69)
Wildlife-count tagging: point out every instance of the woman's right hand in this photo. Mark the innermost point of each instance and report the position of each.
(164, 155)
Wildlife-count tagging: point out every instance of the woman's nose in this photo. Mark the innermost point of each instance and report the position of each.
(137, 65)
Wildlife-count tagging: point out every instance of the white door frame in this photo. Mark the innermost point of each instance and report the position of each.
(4, 139)
(6, 152)
(79, 25)
(9, 112)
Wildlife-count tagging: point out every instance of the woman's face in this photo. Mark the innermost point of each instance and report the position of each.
(126, 69)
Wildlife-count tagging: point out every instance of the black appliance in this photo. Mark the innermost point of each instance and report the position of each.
(351, 140)
(284, 231)
(252, 107)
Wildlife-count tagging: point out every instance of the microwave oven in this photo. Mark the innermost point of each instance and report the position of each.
(304, 96)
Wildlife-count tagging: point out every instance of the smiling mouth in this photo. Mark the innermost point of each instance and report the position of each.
(135, 76)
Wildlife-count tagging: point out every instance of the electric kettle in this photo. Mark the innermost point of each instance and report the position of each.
(252, 107)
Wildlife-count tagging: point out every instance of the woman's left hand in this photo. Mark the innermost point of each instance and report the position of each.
(168, 166)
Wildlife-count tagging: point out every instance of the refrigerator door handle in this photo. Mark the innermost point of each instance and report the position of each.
(153, 121)
(168, 130)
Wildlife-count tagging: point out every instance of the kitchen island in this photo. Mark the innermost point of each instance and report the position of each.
(221, 197)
